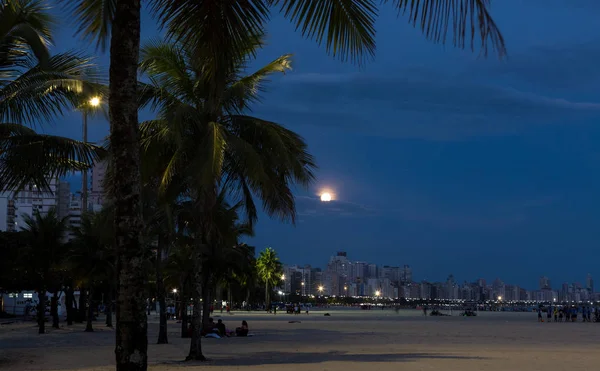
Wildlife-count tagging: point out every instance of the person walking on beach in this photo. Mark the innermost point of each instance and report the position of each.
(549, 314)
(540, 319)
(589, 314)
(424, 310)
(555, 314)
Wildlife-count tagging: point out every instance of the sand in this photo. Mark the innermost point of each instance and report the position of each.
(347, 341)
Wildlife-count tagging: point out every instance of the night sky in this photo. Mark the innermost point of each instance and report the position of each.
(439, 158)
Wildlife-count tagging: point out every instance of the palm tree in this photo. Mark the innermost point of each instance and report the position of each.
(203, 144)
(243, 156)
(209, 252)
(224, 28)
(269, 270)
(36, 87)
(44, 236)
(91, 256)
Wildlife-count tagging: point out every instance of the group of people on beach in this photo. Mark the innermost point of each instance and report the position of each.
(569, 314)
(212, 329)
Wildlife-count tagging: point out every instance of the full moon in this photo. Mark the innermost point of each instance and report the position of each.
(326, 197)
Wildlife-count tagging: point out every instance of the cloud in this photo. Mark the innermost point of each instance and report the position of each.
(555, 67)
(417, 106)
(313, 207)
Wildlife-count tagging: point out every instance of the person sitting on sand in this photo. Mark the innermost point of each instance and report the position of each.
(221, 328)
(242, 331)
(209, 328)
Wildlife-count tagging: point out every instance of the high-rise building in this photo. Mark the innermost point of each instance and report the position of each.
(74, 220)
(545, 283)
(589, 283)
(391, 273)
(97, 195)
(372, 271)
(64, 199)
(15, 205)
(359, 271)
(298, 280)
(406, 274)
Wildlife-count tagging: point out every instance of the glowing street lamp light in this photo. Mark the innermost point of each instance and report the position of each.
(94, 102)
(283, 277)
(320, 289)
(174, 291)
(377, 293)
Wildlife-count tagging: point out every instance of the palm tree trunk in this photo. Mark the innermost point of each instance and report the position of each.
(160, 293)
(132, 327)
(207, 300)
(267, 297)
(54, 309)
(90, 311)
(41, 312)
(197, 283)
(81, 312)
(69, 300)
(109, 296)
(184, 317)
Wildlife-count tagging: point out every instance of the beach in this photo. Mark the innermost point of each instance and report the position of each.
(348, 340)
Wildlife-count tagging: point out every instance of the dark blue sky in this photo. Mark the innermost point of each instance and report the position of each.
(438, 158)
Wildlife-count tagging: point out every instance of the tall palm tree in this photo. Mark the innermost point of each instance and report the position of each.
(201, 143)
(224, 28)
(209, 252)
(44, 236)
(92, 258)
(35, 87)
(269, 270)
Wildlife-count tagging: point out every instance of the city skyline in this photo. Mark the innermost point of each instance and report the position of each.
(544, 283)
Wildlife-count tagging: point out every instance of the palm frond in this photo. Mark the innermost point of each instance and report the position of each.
(30, 158)
(282, 155)
(226, 27)
(247, 89)
(43, 92)
(25, 25)
(467, 20)
(94, 19)
(347, 27)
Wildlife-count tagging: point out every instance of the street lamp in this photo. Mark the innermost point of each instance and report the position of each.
(320, 290)
(93, 103)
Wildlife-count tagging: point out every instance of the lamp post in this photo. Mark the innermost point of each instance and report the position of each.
(94, 102)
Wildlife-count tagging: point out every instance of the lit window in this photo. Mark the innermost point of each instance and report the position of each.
(28, 295)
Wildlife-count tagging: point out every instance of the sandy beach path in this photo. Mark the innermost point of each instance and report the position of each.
(346, 341)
